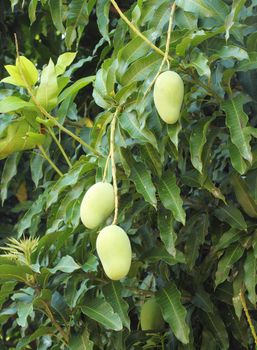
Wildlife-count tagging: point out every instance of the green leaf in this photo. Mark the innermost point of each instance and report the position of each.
(237, 160)
(232, 216)
(14, 272)
(169, 194)
(169, 299)
(112, 292)
(13, 103)
(41, 331)
(56, 9)
(102, 12)
(140, 69)
(195, 239)
(206, 8)
(9, 171)
(81, 342)
(64, 61)
(230, 257)
(236, 121)
(249, 64)
(32, 10)
(141, 177)
(158, 254)
(102, 312)
(130, 123)
(203, 301)
(199, 61)
(47, 92)
(74, 88)
(167, 233)
(216, 325)
(36, 167)
(173, 132)
(197, 142)
(230, 51)
(250, 277)
(66, 264)
(24, 310)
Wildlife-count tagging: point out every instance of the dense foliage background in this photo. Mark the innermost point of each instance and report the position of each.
(187, 192)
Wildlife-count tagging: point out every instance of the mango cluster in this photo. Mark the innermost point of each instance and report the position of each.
(112, 243)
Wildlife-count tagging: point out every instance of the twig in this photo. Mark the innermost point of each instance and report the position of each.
(135, 30)
(60, 146)
(242, 298)
(45, 113)
(57, 326)
(106, 166)
(166, 54)
(112, 151)
(49, 160)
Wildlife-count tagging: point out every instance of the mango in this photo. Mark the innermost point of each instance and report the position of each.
(151, 316)
(97, 204)
(114, 250)
(168, 96)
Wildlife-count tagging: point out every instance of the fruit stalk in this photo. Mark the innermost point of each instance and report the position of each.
(114, 178)
(242, 298)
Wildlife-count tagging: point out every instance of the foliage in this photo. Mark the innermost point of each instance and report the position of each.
(187, 192)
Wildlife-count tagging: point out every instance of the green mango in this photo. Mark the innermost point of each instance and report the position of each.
(151, 316)
(17, 137)
(97, 204)
(168, 96)
(114, 250)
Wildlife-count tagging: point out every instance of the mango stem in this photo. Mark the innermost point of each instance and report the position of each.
(114, 178)
(248, 317)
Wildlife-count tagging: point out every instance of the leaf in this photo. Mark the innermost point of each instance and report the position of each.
(215, 324)
(102, 13)
(66, 264)
(130, 123)
(167, 232)
(13, 103)
(81, 342)
(141, 177)
(169, 299)
(64, 61)
(141, 69)
(237, 160)
(24, 310)
(199, 61)
(36, 167)
(169, 194)
(206, 8)
(46, 94)
(203, 301)
(249, 64)
(195, 239)
(42, 330)
(56, 9)
(14, 272)
(112, 292)
(9, 171)
(102, 312)
(197, 142)
(250, 278)
(32, 10)
(236, 121)
(232, 216)
(74, 88)
(230, 51)
(173, 132)
(230, 257)
(158, 254)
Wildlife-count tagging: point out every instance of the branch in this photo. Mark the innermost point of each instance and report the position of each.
(248, 317)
